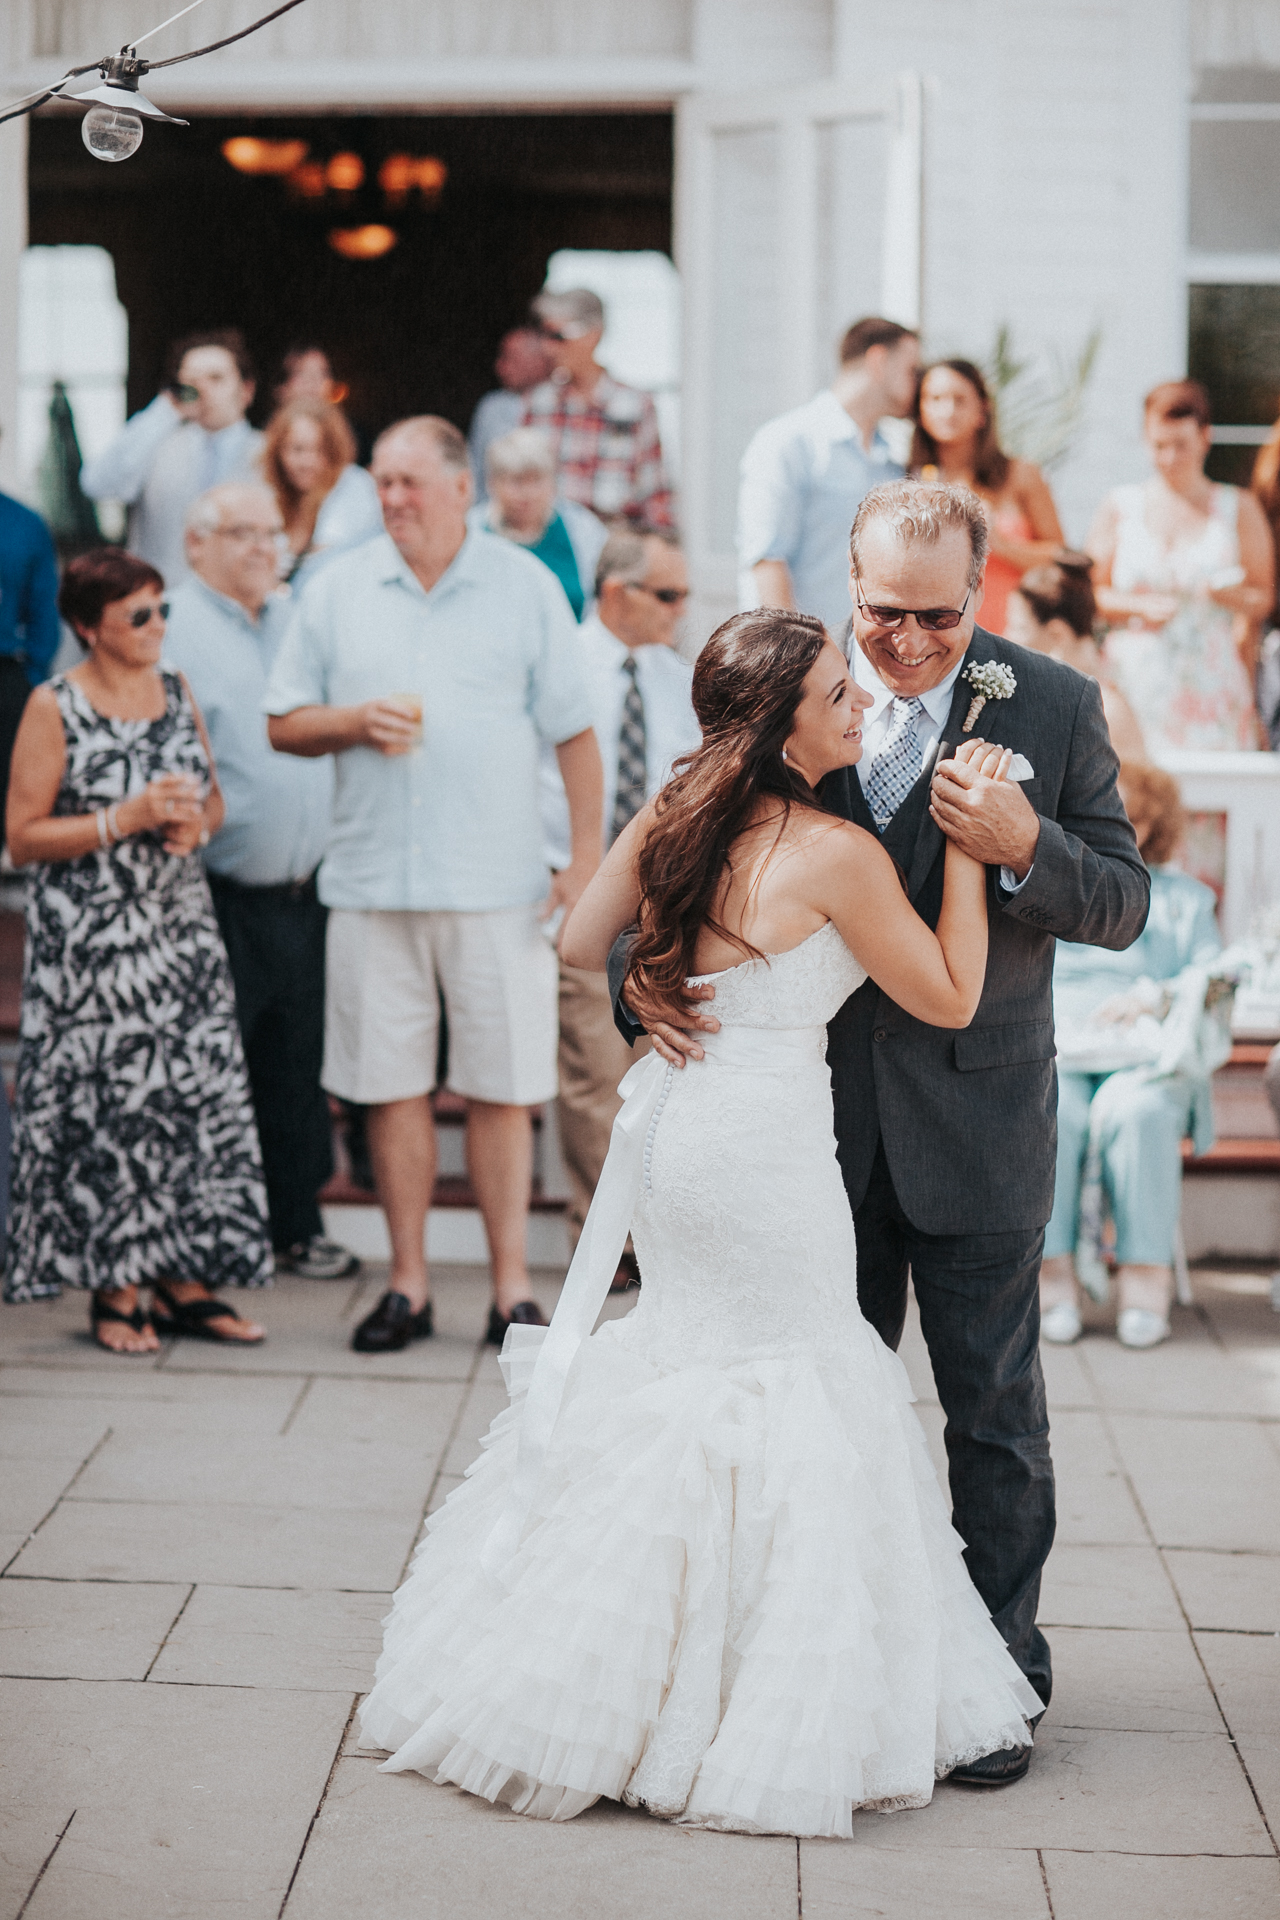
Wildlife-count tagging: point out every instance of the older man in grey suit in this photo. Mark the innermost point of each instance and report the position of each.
(946, 1140)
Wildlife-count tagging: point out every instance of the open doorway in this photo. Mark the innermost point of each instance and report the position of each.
(197, 244)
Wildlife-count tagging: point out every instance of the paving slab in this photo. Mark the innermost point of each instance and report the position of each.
(394, 1845)
(1236, 1592)
(1182, 1793)
(188, 1802)
(1142, 1682)
(32, 1429)
(1204, 1483)
(28, 1835)
(84, 1630)
(1067, 1381)
(1189, 1375)
(213, 1398)
(486, 1399)
(349, 1549)
(259, 1637)
(1245, 1671)
(377, 1412)
(1107, 1587)
(1095, 1506)
(44, 1333)
(1100, 1886)
(964, 1883)
(296, 1470)
(32, 1488)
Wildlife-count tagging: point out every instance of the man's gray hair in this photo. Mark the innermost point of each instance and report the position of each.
(436, 431)
(578, 304)
(523, 450)
(625, 555)
(204, 515)
(922, 510)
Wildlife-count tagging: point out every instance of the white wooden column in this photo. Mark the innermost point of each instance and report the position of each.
(13, 240)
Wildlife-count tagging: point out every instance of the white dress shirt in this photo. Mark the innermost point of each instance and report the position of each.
(929, 727)
(670, 725)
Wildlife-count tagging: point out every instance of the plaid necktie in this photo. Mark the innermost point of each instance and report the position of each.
(629, 795)
(896, 767)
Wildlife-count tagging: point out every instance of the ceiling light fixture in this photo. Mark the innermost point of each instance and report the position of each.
(363, 243)
(271, 157)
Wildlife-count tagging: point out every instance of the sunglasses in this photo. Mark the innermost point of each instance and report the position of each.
(931, 619)
(143, 616)
(669, 596)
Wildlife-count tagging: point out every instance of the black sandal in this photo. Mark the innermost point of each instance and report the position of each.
(193, 1317)
(100, 1312)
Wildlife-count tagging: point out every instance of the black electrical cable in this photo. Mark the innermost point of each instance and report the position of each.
(32, 101)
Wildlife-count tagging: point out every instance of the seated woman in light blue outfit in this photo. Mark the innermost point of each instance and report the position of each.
(1133, 1064)
(523, 506)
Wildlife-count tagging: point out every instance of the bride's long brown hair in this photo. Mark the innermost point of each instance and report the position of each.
(746, 687)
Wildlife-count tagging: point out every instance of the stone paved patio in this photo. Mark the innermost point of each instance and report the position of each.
(198, 1551)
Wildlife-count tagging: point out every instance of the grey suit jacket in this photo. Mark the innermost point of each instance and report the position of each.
(969, 1118)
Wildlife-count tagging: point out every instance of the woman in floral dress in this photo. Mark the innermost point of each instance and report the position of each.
(1184, 570)
(136, 1160)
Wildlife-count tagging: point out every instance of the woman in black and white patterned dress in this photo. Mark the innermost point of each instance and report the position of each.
(136, 1161)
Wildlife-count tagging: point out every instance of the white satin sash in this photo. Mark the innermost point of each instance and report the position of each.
(542, 1356)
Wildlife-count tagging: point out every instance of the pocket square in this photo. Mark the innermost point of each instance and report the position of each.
(1020, 768)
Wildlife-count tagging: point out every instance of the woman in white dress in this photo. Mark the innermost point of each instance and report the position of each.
(703, 1564)
(1184, 572)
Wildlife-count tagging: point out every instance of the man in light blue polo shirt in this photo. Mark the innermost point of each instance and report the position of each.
(226, 622)
(433, 663)
(805, 473)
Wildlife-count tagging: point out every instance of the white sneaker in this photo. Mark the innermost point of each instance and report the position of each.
(1139, 1327)
(1061, 1324)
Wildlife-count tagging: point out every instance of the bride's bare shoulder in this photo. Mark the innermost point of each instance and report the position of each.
(826, 841)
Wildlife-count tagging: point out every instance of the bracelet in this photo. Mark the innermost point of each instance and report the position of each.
(113, 822)
(102, 827)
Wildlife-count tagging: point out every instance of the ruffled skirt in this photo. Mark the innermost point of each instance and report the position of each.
(738, 1602)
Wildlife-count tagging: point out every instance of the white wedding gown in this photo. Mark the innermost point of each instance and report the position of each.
(721, 1581)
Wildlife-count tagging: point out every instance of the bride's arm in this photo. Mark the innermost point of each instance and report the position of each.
(610, 903)
(937, 977)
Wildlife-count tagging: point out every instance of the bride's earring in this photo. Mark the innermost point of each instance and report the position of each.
(784, 756)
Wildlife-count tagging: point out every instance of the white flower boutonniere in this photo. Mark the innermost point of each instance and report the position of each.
(990, 680)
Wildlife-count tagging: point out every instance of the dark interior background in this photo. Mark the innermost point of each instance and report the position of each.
(197, 244)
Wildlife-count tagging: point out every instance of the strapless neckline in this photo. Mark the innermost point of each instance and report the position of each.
(699, 979)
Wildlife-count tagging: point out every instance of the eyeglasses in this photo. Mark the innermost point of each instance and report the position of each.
(563, 336)
(143, 616)
(250, 536)
(932, 619)
(669, 596)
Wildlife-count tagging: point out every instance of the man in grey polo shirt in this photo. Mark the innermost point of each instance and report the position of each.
(432, 663)
(226, 622)
(804, 475)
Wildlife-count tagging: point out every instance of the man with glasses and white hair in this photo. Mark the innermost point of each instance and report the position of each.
(946, 1139)
(226, 622)
(639, 689)
(604, 434)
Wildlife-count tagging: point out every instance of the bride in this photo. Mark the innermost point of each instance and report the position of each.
(703, 1564)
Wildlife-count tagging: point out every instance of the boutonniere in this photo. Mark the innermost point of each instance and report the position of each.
(990, 680)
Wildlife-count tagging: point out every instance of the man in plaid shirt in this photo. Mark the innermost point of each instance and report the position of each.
(604, 435)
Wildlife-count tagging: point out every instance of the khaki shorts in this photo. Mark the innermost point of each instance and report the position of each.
(385, 974)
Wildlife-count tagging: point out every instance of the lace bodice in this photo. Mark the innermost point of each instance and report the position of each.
(804, 987)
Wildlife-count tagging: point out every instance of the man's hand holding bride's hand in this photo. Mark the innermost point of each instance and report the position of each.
(988, 816)
(673, 1026)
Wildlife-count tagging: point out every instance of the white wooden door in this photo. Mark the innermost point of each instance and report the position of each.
(797, 211)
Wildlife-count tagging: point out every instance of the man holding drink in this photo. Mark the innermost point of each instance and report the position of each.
(432, 663)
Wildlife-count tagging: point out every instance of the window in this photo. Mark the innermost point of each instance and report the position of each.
(72, 328)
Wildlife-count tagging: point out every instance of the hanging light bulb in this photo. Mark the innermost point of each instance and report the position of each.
(112, 128)
(111, 133)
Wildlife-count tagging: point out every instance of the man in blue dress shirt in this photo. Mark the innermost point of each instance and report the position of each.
(804, 475)
(29, 628)
(226, 622)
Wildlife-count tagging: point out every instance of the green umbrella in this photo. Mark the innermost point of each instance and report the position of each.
(72, 518)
